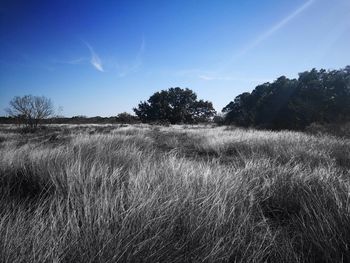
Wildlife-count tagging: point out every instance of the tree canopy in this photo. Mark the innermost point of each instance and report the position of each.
(30, 109)
(175, 105)
(317, 96)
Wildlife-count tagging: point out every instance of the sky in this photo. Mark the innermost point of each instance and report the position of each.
(101, 58)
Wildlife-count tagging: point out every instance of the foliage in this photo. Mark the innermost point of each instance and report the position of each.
(30, 110)
(175, 105)
(316, 96)
(219, 119)
(125, 117)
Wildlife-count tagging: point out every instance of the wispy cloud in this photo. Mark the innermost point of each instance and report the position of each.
(255, 42)
(76, 61)
(276, 27)
(18, 57)
(125, 69)
(206, 77)
(211, 77)
(215, 77)
(221, 72)
(109, 63)
(95, 60)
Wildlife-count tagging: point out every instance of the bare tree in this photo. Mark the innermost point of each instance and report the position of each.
(31, 109)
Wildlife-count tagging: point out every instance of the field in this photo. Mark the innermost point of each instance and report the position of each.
(118, 193)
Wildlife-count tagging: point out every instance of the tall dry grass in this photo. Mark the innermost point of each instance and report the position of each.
(173, 194)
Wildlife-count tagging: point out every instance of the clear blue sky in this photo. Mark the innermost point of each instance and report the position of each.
(103, 57)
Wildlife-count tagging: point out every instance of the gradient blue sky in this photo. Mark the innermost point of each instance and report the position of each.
(103, 57)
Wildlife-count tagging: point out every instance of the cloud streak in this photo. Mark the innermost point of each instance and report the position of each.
(207, 75)
(77, 61)
(262, 37)
(124, 70)
(276, 27)
(221, 72)
(210, 77)
(95, 60)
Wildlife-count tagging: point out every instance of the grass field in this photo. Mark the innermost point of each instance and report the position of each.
(173, 194)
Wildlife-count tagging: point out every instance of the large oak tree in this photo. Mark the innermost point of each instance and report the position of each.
(175, 105)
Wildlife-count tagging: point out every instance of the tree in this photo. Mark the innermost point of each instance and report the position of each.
(175, 105)
(203, 111)
(316, 96)
(239, 111)
(30, 109)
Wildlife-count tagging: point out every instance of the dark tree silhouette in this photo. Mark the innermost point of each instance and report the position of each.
(175, 105)
(315, 97)
(125, 117)
(30, 109)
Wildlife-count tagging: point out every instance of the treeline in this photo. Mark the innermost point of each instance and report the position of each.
(317, 96)
(122, 118)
